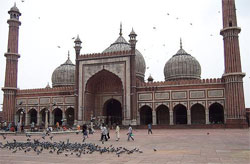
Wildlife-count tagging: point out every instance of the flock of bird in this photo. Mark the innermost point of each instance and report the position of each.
(62, 147)
(154, 27)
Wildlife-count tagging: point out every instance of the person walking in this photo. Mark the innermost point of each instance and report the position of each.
(84, 132)
(150, 128)
(117, 132)
(108, 129)
(130, 133)
(104, 133)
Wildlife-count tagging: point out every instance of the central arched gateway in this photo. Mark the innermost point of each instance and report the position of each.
(104, 97)
(113, 112)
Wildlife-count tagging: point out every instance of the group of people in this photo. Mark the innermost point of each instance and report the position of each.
(9, 127)
(105, 130)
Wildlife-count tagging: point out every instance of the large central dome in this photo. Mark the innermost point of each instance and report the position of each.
(121, 45)
(182, 66)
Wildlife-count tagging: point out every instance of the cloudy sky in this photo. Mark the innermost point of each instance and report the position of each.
(159, 24)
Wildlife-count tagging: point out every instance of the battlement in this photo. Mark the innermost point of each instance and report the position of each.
(103, 55)
(45, 90)
(180, 82)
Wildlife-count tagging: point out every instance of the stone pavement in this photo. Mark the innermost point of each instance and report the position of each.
(178, 146)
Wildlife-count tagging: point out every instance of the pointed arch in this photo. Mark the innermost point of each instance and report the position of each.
(43, 114)
(33, 115)
(145, 115)
(162, 115)
(57, 112)
(70, 116)
(104, 81)
(101, 85)
(112, 110)
(198, 114)
(216, 113)
(21, 115)
(180, 114)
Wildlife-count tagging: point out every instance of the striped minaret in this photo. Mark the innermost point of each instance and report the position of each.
(10, 85)
(233, 76)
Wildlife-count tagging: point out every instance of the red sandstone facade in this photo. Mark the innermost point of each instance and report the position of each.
(109, 87)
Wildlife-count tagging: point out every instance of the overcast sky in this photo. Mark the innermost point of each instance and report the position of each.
(159, 24)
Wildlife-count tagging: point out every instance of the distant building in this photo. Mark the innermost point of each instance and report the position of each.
(110, 86)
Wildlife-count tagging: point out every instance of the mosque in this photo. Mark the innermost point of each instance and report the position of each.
(110, 86)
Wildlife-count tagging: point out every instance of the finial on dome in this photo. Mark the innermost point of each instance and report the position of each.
(68, 54)
(180, 43)
(15, 4)
(120, 29)
(132, 32)
(48, 86)
(78, 40)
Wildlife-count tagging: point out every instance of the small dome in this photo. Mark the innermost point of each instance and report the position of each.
(182, 66)
(48, 86)
(121, 45)
(64, 75)
(14, 8)
(150, 78)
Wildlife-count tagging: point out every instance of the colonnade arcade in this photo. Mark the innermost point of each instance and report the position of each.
(197, 114)
(63, 117)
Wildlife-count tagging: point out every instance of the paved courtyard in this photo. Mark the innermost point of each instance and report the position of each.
(172, 146)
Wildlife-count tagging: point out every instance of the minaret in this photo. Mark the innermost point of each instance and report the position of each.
(233, 76)
(10, 85)
(132, 42)
(78, 48)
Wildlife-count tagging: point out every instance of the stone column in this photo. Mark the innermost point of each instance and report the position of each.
(138, 118)
(27, 119)
(207, 116)
(63, 118)
(171, 115)
(16, 118)
(46, 119)
(154, 117)
(38, 119)
(189, 117)
(51, 119)
(21, 122)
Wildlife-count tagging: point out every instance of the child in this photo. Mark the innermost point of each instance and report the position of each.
(130, 133)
